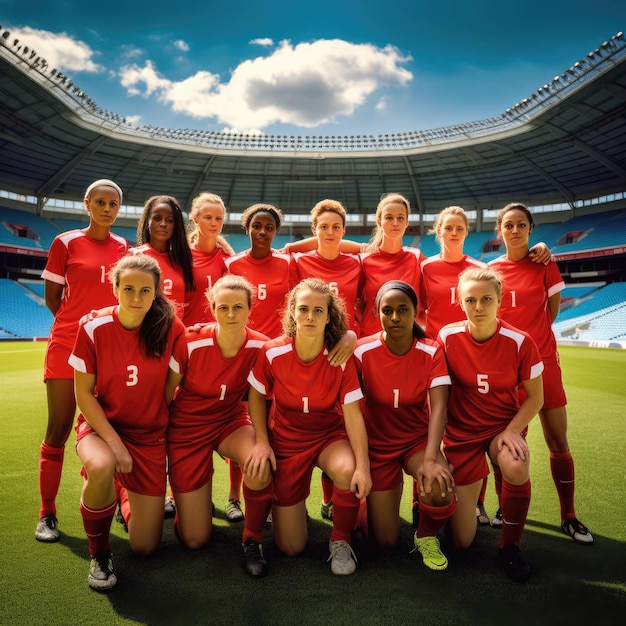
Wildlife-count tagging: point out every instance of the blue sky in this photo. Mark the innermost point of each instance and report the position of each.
(316, 68)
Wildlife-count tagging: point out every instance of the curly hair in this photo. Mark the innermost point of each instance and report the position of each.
(337, 323)
(159, 319)
(251, 211)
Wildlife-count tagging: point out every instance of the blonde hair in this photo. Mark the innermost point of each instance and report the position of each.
(449, 210)
(196, 205)
(480, 274)
(233, 282)
(332, 206)
(373, 244)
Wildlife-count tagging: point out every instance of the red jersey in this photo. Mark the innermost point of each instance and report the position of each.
(270, 277)
(130, 387)
(307, 397)
(378, 268)
(207, 268)
(438, 292)
(526, 288)
(343, 274)
(81, 264)
(172, 278)
(485, 378)
(213, 386)
(396, 388)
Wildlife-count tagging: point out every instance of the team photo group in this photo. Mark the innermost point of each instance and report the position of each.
(367, 361)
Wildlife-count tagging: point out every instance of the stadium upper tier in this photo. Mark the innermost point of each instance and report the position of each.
(565, 142)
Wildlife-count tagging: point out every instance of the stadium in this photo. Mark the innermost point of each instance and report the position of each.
(561, 151)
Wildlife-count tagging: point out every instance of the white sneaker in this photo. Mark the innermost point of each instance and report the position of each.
(47, 530)
(101, 576)
(342, 558)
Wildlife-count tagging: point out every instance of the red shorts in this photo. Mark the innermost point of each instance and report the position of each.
(386, 467)
(148, 477)
(190, 460)
(292, 478)
(56, 360)
(468, 458)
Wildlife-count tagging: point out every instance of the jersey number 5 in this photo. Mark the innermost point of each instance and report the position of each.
(482, 382)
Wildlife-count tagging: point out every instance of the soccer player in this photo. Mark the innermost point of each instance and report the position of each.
(264, 267)
(76, 281)
(161, 235)
(386, 258)
(120, 363)
(209, 414)
(530, 301)
(315, 420)
(488, 360)
(341, 271)
(405, 380)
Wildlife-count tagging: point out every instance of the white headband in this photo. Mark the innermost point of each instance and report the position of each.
(104, 182)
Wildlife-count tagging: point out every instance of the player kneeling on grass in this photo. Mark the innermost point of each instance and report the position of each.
(405, 380)
(120, 362)
(487, 360)
(315, 420)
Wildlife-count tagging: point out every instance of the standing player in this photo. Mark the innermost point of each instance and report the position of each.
(488, 360)
(405, 381)
(120, 363)
(161, 235)
(265, 268)
(75, 283)
(309, 424)
(531, 299)
(386, 258)
(209, 414)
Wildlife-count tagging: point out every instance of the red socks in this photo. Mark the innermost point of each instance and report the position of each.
(514, 501)
(432, 518)
(97, 525)
(327, 488)
(345, 514)
(562, 467)
(236, 478)
(257, 508)
(50, 468)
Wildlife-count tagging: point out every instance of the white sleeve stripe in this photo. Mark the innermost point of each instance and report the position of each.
(430, 350)
(536, 369)
(255, 343)
(439, 381)
(352, 396)
(259, 386)
(272, 353)
(556, 289)
(174, 365)
(77, 363)
(518, 338)
(361, 350)
(91, 325)
(52, 277)
(198, 343)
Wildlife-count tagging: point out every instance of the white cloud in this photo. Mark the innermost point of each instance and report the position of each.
(305, 85)
(381, 105)
(262, 41)
(181, 45)
(59, 49)
(133, 120)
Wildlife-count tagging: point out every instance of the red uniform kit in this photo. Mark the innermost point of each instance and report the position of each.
(207, 268)
(396, 401)
(172, 278)
(270, 277)
(130, 388)
(81, 265)
(343, 274)
(438, 292)
(378, 268)
(209, 404)
(526, 288)
(484, 394)
(306, 414)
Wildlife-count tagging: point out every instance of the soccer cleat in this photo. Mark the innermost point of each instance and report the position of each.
(431, 552)
(511, 561)
(253, 561)
(481, 515)
(119, 518)
(47, 529)
(233, 511)
(577, 531)
(496, 522)
(169, 510)
(342, 558)
(416, 514)
(101, 576)
(326, 510)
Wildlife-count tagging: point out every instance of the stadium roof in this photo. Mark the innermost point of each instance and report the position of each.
(565, 142)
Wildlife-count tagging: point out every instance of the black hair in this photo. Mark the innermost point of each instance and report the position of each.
(407, 290)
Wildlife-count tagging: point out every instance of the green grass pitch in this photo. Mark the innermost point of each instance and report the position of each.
(572, 584)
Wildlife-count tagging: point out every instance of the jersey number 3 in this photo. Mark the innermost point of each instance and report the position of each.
(132, 380)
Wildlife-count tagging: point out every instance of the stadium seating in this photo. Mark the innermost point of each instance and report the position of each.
(43, 228)
(21, 312)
